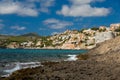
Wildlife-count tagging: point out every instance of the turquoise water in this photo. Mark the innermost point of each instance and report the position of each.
(26, 55)
(15, 59)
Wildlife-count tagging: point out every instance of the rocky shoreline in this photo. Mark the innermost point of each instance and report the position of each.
(100, 63)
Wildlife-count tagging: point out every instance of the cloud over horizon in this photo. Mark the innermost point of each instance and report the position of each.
(24, 8)
(44, 7)
(56, 24)
(82, 8)
(19, 28)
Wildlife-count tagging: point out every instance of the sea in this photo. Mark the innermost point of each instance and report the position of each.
(16, 59)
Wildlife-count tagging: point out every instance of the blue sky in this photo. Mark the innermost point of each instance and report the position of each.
(48, 17)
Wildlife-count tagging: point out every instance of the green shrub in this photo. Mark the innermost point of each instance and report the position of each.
(117, 30)
(95, 28)
(17, 39)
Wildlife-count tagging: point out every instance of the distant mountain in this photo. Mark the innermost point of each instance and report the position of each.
(4, 36)
(31, 35)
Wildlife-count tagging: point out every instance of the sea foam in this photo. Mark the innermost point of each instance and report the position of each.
(19, 66)
(71, 58)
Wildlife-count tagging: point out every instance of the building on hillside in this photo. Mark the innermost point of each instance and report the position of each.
(13, 45)
(39, 43)
(89, 32)
(68, 46)
(113, 27)
(102, 28)
(29, 44)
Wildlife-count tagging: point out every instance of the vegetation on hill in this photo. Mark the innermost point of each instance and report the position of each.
(17, 39)
(31, 34)
(95, 28)
(76, 38)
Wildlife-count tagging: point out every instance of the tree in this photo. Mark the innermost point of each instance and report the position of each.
(95, 28)
(102, 30)
(117, 30)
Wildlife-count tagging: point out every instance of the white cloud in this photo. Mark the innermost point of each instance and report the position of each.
(24, 8)
(19, 28)
(10, 7)
(83, 8)
(78, 2)
(44, 6)
(33, 0)
(56, 24)
(50, 21)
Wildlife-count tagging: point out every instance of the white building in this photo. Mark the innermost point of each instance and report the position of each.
(113, 27)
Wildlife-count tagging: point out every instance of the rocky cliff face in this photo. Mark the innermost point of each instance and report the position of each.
(107, 46)
(108, 51)
(101, 37)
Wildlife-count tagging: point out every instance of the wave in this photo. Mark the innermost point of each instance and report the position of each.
(71, 58)
(18, 66)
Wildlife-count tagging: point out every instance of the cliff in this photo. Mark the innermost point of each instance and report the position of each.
(107, 51)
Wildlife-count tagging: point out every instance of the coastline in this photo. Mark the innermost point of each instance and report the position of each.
(102, 64)
(51, 48)
(18, 65)
(10, 67)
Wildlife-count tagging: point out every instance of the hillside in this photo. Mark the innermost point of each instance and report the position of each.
(30, 34)
(102, 63)
(69, 39)
(107, 51)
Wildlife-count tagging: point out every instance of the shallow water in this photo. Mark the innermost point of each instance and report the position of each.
(15, 59)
